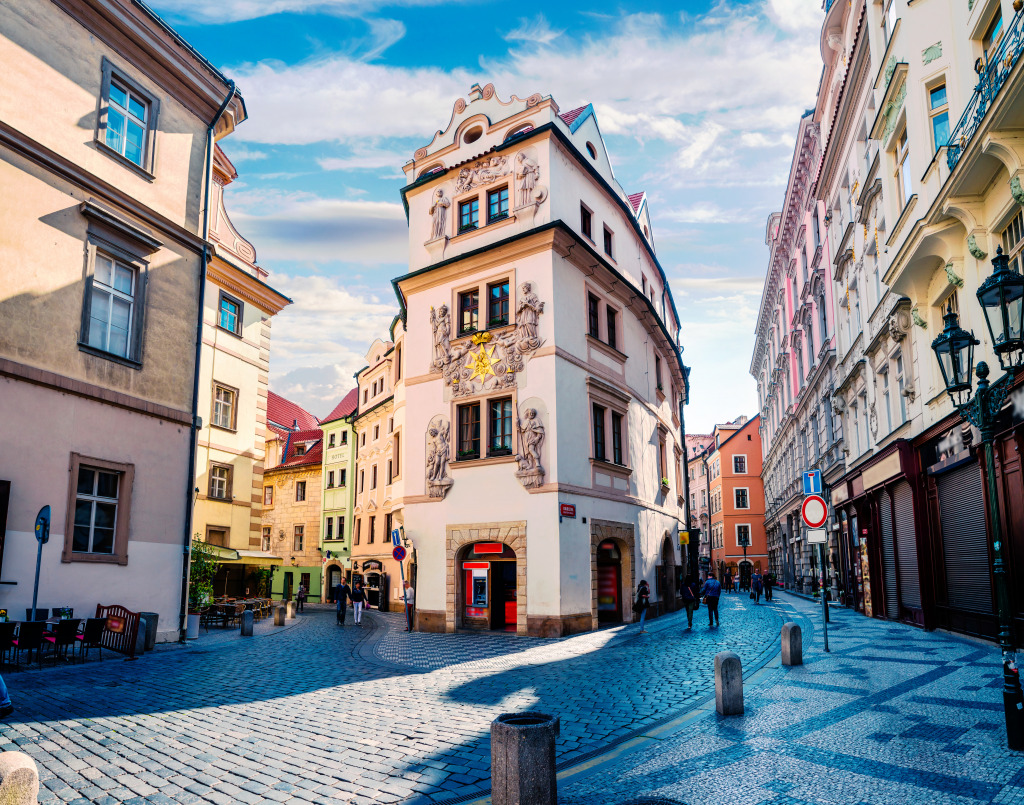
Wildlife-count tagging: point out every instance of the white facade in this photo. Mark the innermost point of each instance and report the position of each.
(537, 373)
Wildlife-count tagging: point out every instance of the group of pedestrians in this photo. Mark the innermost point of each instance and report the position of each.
(707, 593)
(343, 594)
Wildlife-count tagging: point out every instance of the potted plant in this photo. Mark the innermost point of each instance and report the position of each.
(664, 484)
(202, 569)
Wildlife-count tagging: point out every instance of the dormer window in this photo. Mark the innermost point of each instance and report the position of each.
(300, 449)
(517, 132)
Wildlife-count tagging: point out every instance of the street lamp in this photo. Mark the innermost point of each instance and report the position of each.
(1002, 299)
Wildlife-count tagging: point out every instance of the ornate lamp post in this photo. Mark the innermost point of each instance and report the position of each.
(1002, 299)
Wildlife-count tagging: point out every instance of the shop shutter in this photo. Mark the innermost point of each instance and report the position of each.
(964, 540)
(892, 610)
(906, 545)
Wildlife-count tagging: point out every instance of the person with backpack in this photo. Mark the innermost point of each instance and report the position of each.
(690, 600)
(643, 602)
(711, 592)
(358, 602)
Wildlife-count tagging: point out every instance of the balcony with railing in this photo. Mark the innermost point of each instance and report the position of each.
(990, 82)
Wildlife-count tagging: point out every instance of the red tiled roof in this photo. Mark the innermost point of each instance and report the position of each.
(347, 405)
(314, 452)
(572, 114)
(635, 199)
(287, 415)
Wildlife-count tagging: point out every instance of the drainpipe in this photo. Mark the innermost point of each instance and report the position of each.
(691, 549)
(194, 427)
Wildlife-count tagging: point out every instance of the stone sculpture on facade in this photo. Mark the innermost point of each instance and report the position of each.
(483, 172)
(438, 450)
(441, 325)
(531, 437)
(527, 313)
(527, 172)
(438, 214)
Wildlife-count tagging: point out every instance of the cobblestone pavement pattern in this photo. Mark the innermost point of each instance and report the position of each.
(891, 716)
(314, 712)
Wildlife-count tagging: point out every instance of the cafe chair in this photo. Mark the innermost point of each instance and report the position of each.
(6, 639)
(30, 638)
(91, 638)
(63, 636)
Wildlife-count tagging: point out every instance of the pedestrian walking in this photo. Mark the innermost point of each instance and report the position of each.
(756, 587)
(643, 602)
(410, 606)
(769, 583)
(342, 593)
(690, 600)
(736, 581)
(711, 592)
(358, 602)
(727, 581)
(300, 597)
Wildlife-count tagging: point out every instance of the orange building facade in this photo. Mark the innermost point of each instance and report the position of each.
(737, 500)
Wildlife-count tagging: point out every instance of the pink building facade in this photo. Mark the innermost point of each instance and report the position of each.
(794, 362)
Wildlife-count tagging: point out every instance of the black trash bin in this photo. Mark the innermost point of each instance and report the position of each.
(523, 759)
(152, 618)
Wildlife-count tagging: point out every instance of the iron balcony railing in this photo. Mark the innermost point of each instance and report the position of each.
(990, 81)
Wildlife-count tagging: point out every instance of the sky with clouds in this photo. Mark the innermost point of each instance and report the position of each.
(699, 105)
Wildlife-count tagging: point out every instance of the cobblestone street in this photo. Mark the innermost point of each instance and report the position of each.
(366, 714)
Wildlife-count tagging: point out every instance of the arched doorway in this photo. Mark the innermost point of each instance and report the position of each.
(333, 576)
(486, 591)
(746, 569)
(619, 535)
(609, 583)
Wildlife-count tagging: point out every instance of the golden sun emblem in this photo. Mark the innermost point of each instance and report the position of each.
(482, 363)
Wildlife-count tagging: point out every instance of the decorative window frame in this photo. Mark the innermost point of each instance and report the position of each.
(611, 399)
(736, 533)
(603, 305)
(485, 457)
(214, 385)
(122, 527)
(480, 286)
(110, 71)
(210, 465)
(735, 505)
(746, 461)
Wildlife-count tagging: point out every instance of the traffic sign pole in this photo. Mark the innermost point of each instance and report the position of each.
(42, 536)
(824, 603)
(814, 512)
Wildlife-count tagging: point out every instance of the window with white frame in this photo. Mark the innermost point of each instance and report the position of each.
(739, 465)
(330, 528)
(938, 114)
(224, 399)
(330, 479)
(299, 537)
(127, 123)
(900, 385)
(220, 481)
(741, 497)
(883, 377)
(1013, 241)
(742, 535)
(889, 19)
(266, 539)
(112, 306)
(901, 159)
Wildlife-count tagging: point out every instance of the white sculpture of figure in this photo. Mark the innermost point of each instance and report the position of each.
(527, 173)
(439, 214)
(531, 437)
(527, 312)
(438, 481)
(442, 328)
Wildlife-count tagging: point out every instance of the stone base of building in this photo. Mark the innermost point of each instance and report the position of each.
(558, 625)
(427, 621)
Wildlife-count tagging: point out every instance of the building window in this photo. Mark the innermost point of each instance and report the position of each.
(362, 480)
(300, 449)
(889, 19)
(939, 114)
(300, 491)
(993, 36)
(662, 459)
(886, 402)
(904, 182)
(341, 528)
(344, 437)
(817, 229)
(266, 539)
(900, 385)
(371, 534)
(366, 395)
(362, 440)
(268, 496)
(330, 528)
(739, 465)
(586, 222)
(359, 526)
(500, 422)
(341, 477)
(390, 472)
(96, 500)
(497, 304)
(387, 526)
(497, 205)
(220, 481)
(611, 320)
(300, 533)
(469, 215)
(599, 440)
(330, 440)
(376, 432)
(330, 479)
(469, 311)
(217, 536)
(128, 120)
(397, 454)
(224, 406)
(742, 499)
(608, 242)
(111, 307)
(742, 535)
(593, 317)
(398, 363)
(373, 477)
(1013, 241)
(229, 317)
(617, 437)
(469, 431)
(657, 371)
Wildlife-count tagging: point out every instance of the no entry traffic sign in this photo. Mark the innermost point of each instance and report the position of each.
(814, 511)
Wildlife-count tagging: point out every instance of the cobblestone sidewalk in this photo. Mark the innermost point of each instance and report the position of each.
(891, 716)
(361, 715)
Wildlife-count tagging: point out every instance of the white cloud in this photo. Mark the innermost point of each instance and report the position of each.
(239, 153)
(366, 159)
(536, 31)
(705, 212)
(796, 15)
(203, 11)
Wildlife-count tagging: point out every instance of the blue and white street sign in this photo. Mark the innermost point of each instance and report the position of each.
(396, 537)
(812, 482)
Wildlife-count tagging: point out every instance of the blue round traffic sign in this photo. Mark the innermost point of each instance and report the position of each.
(398, 553)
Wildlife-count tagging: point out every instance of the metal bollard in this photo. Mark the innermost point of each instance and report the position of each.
(279, 615)
(523, 759)
(247, 623)
(152, 619)
(792, 644)
(19, 779)
(291, 609)
(728, 684)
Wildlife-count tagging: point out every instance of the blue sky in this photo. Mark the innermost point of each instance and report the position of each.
(699, 104)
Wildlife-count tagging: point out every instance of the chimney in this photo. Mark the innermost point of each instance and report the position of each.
(295, 424)
(475, 93)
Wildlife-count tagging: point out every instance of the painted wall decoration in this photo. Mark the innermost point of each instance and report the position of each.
(438, 453)
(487, 360)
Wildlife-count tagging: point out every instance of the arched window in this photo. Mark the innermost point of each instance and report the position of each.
(521, 130)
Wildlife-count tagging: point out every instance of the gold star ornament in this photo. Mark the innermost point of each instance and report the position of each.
(482, 363)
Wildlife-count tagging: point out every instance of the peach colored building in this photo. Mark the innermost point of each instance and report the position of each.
(102, 257)
(737, 499)
(541, 378)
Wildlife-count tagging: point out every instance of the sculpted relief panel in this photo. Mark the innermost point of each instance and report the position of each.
(438, 480)
(487, 360)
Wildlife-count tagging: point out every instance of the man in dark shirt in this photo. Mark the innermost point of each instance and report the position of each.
(341, 595)
(711, 591)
